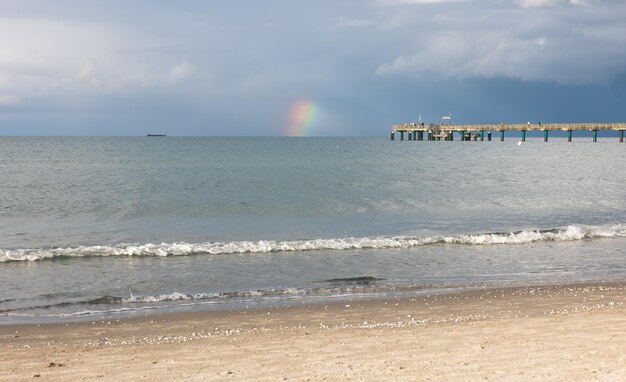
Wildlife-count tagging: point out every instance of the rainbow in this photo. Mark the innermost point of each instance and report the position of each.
(302, 117)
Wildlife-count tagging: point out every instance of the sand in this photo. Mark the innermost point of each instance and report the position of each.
(549, 333)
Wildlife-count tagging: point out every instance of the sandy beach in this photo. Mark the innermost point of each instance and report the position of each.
(550, 333)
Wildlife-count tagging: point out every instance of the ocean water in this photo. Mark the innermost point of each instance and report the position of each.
(107, 227)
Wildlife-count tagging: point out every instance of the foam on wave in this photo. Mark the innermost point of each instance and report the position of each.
(569, 233)
(178, 297)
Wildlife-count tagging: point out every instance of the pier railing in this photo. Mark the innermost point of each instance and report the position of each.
(515, 127)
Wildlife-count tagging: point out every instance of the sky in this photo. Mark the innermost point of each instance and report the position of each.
(305, 68)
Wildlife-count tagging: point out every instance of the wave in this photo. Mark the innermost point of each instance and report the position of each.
(356, 280)
(569, 233)
(330, 290)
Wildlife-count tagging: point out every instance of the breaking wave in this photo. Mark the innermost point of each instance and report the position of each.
(569, 233)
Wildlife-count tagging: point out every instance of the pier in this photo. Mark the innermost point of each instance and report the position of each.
(437, 132)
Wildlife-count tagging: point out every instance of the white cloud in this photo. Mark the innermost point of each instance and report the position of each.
(400, 2)
(88, 73)
(9, 100)
(549, 3)
(46, 56)
(348, 22)
(537, 3)
(181, 72)
(42, 57)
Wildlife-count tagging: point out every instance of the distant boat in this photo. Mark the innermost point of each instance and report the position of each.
(157, 135)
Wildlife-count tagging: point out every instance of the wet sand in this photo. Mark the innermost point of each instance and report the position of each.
(550, 333)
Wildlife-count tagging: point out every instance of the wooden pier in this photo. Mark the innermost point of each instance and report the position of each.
(437, 132)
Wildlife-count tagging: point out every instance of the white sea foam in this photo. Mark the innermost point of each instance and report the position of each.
(569, 233)
(177, 296)
(254, 294)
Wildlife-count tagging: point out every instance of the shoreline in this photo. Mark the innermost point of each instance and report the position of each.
(230, 307)
(492, 332)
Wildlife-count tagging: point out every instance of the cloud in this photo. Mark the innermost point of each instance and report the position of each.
(564, 46)
(537, 3)
(181, 72)
(54, 57)
(549, 3)
(455, 54)
(364, 60)
(48, 56)
(348, 22)
(88, 74)
(400, 2)
(9, 100)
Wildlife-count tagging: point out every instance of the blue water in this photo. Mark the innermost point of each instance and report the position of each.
(92, 226)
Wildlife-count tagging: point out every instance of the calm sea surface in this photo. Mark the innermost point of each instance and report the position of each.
(93, 227)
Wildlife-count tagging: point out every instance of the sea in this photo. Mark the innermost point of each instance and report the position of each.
(110, 227)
